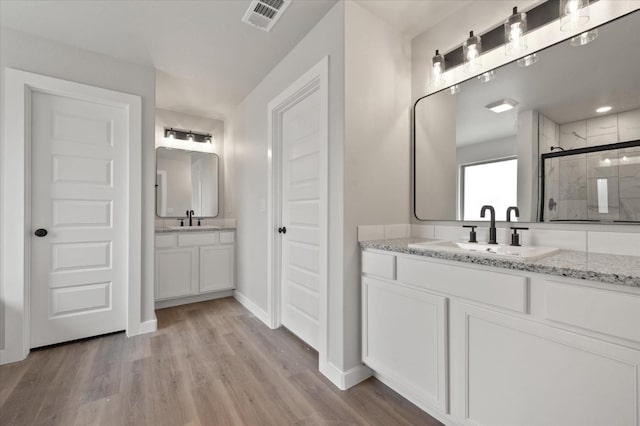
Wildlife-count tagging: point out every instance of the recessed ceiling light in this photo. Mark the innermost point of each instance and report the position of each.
(602, 109)
(502, 105)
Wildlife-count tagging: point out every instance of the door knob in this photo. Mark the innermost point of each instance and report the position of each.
(282, 230)
(41, 232)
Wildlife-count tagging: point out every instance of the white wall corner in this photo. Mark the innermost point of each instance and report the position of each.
(258, 312)
(345, 379)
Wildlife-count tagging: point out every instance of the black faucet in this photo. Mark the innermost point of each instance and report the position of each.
(512, 209)
(492, 227)
(190, 217)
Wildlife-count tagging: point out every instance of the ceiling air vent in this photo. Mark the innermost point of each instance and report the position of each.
(263, 14)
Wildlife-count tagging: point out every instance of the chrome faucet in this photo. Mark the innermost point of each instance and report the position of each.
(492, 227)
(190, 217)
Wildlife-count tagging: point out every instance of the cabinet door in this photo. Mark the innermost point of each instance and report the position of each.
(512, 371)
(176, 272)
(216, 268)
(404, 339)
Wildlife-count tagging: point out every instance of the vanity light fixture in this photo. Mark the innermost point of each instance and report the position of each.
(515, 28)
(487, 76)
(603, 109)
(584, 38)
(437, 69)
(502, 105)
(573, 14)
(471, 50)
(187, 135)
(528, 60)
(455, 89)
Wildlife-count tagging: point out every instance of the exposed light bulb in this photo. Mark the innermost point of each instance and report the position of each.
(454, 89)
(471, 50)
(515, 28)
(573, 14)
(584, 38)
(487, 76)
(437, 69)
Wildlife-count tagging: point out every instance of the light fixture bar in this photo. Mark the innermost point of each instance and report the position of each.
(187, 135)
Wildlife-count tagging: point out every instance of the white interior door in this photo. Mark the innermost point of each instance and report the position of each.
(301, 204)
(79, 190)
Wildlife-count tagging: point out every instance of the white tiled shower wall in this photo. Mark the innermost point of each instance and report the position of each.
(620, 243)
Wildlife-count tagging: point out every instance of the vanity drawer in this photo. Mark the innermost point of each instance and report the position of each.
(197, 239)
(226, 237)
(603, 311)
(166, 240)
(378, 264)
(491, 288)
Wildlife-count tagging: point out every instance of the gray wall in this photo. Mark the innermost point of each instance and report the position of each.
(41, 56)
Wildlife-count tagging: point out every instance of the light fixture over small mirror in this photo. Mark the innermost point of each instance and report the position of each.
(187, 135)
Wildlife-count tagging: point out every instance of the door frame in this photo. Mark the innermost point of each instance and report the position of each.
(15, 250)
(314, 80)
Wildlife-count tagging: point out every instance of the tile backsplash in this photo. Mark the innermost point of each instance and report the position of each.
(163, 223)
(621, 243)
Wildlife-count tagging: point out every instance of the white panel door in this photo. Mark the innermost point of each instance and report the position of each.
(79, 193)
(300, 274)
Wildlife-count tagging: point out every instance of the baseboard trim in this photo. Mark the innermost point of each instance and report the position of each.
(161, 304)
(345, 379)
(252, 307)
(8, 356)
(149, 326)
(424, 406)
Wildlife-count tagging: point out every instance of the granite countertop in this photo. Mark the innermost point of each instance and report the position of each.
(204, 228)
(607, 268)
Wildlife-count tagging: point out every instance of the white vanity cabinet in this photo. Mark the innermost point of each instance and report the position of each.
(191, 264)
(477, 345)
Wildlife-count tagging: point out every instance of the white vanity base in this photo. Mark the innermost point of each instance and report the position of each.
(193, 299)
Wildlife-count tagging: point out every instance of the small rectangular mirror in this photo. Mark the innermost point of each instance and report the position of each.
(186, 180)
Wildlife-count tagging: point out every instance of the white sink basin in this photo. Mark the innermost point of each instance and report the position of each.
(193, 228)
(493, 250)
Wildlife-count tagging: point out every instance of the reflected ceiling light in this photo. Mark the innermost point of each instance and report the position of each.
(471, 50)
(573, 14)
(502, 105)
(528, 60)
(437, 69)
(487, 76)
(603, 109)
(584, 38)
(454, 89)
(515, 28)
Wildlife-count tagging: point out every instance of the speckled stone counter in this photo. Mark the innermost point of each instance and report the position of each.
(606, 268)
(195, 229)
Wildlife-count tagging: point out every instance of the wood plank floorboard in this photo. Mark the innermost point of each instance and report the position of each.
(209, 363)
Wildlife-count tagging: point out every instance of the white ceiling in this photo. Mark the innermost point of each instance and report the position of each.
(413, 17)
(207, 59)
